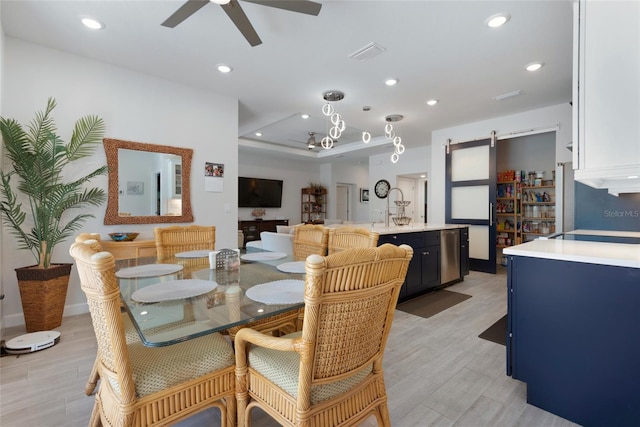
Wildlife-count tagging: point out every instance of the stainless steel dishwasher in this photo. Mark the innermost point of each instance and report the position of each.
(449, 255)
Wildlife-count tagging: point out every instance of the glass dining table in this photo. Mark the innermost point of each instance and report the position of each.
(180, 298)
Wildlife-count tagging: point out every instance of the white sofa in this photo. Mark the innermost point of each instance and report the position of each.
(277, 242)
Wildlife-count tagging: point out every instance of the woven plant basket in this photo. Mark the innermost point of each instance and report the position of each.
(43, 293)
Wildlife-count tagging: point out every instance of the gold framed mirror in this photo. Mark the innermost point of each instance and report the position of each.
(148, 183)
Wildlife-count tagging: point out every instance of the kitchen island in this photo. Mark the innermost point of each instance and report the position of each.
(574, 325)
(440, 254)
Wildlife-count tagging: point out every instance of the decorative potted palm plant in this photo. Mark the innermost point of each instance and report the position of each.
(35, 208)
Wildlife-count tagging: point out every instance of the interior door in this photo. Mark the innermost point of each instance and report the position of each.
(342, 202)
(470, 197)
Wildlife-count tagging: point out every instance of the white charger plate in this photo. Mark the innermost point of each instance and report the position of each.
(174, 290)
(194, 254)
(292, 267)
(263, 256)
(148, 270)
(278, 292)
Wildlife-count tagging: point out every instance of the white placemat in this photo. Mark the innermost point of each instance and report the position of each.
(194, 254)
(263, 256)
(148, 270)
(174, 289)
(292, 267)
(278, 292)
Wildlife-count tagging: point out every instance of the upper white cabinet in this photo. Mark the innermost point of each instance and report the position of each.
(606, 94)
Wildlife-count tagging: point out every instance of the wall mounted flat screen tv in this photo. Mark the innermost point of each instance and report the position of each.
(259, 193)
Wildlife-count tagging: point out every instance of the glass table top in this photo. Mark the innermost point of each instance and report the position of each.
(187, 307)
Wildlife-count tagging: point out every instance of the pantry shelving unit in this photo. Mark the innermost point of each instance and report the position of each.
(538, 211)
(508, 213)
(524, 212)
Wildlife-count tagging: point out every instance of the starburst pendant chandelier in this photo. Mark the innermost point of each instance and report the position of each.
(336, 120)
(394, 136)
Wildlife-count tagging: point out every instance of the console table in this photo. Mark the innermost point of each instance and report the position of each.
(252, 229)
(134, 249)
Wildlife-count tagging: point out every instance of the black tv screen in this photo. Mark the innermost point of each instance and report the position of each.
(259, 193)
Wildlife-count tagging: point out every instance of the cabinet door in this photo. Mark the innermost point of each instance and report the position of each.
(607, 52)
(430, 259)
(413, 280)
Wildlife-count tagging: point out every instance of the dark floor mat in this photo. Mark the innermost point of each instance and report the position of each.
(497, 332)
(432, 303)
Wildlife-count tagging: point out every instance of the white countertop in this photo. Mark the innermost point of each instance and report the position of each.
(616, 254)
(411, 228)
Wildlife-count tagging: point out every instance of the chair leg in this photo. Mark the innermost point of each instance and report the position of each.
(92, 382)
(95, 421)
(383, 415)
(232, 413)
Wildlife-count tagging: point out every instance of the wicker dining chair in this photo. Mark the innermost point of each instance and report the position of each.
(342, 238)
(331, 373)
(144, 386)
(130, 333)
(310, 239)
(95, 242)
(174, 239)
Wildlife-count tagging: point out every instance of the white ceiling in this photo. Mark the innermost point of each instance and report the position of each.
(437, 49)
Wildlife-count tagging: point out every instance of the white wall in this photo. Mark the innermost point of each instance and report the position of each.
(295, 175)
(556, 116)
(135, 107)
(412, 161)
(358, 176)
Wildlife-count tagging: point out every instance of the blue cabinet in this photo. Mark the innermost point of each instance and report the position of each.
(424, 269)
(574, 338)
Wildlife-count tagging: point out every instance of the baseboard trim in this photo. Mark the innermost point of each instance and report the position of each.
(17, 319)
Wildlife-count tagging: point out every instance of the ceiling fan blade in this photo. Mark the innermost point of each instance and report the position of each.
(235, 12)
(300, 6)
(185, 11)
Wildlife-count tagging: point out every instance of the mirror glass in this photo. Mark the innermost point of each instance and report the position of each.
(148, 183)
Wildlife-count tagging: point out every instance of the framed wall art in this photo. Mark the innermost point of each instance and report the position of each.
(364, 195)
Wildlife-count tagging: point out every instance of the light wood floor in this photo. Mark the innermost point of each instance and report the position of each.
(437, 371)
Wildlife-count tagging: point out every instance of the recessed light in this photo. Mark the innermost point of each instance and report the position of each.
(224, 68)
(94, 24)
(423, 176)
(632, 177)
(220, 1)
(498, 20)
(432, 102)
(534, 66)
(391, 82)
(305, 116)
(258, 133)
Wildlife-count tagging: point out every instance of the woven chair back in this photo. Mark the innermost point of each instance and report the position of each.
(175, 239)
(342, 238)
(308, 240)
(100, 285)
(93, 238)
(350, 299)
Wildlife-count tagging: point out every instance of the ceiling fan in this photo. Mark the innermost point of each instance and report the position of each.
(237, 15)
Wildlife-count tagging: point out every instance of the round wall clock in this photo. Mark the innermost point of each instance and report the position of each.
(382, 188)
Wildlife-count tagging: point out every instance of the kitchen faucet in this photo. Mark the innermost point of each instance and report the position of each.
(387, 213)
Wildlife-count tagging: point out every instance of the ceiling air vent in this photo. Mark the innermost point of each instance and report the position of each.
(367, 52)
(507, 95)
